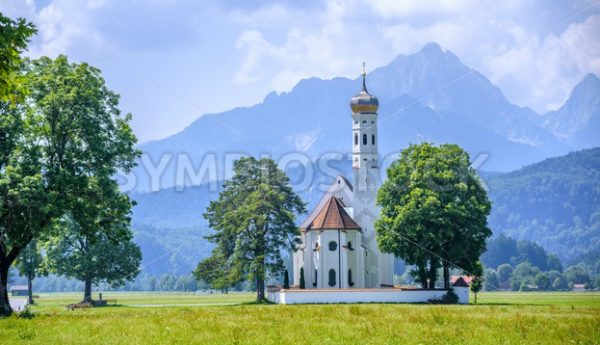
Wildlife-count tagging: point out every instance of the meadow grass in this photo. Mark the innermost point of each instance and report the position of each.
(155, 318)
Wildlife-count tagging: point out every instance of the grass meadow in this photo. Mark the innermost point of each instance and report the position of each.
(157, 318)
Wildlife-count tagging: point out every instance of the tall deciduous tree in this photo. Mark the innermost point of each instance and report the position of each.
(14, 36)
(107, 255)
(59, 153)
(433, 212)
(254, 219)
(28, 265)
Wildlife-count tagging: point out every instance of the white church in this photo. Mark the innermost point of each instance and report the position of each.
(339, 249)
(339, 253)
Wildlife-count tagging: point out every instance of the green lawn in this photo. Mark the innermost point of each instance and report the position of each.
(144, 318)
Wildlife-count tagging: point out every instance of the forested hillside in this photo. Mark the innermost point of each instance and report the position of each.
(555, 203)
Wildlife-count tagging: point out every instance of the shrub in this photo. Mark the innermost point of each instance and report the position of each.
(449, 298)
(26, 314)
(302, 282)
(286, 280)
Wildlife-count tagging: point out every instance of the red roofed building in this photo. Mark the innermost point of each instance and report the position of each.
(460, 282)
(467, 279)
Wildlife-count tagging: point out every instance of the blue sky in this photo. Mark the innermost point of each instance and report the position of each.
(174, 60)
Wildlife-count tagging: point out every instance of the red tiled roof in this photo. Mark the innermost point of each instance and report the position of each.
(460, 282)
(332, 216)
(467, 279)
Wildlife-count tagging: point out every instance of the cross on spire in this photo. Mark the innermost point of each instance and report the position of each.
(364, 75)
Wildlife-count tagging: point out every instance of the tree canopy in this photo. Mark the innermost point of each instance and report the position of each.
(433, 211)
(106, 255)
(14, 37)
(254, 222)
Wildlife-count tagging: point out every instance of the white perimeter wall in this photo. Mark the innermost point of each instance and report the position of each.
(362, 296)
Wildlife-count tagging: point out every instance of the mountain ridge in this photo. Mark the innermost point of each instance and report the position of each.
(577, 121)
(314, 118)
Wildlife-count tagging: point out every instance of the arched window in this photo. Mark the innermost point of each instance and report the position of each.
(372, 139)
(331, 277)
(332, 245)
(315, 280)
(355, 139)
(364, 139)
(350, 281)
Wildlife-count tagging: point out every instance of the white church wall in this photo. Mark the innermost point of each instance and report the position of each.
(350, 259)
(330, 258)
(324, 296)
(463, 294)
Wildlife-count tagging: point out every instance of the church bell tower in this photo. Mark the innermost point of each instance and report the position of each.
(365, 160)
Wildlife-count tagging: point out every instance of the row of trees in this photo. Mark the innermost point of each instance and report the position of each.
(62, 139)
(526, 276)
(143, 282)
(524, 265)
(503, 249)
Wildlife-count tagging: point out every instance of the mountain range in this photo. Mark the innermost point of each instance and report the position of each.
(427, 96)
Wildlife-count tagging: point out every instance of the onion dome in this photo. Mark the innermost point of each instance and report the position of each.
(364, 102)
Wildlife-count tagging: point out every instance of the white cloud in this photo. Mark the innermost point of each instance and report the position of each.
(61, 24)
(16, 8)
(64, 23)
(405, 8)
(541, 72)
(332, 41)
(328, 43)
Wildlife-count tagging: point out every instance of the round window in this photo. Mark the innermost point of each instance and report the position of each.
(332, 245)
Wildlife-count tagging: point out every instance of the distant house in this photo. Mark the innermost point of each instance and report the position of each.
(578, 287)
(19, 290)
(466, 279)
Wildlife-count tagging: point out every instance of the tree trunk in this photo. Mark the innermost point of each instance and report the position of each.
(446, 276)
(432, 274)
(260, 290)
(5, 309)
(30, 288)
(87, 293)
(422, 273)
